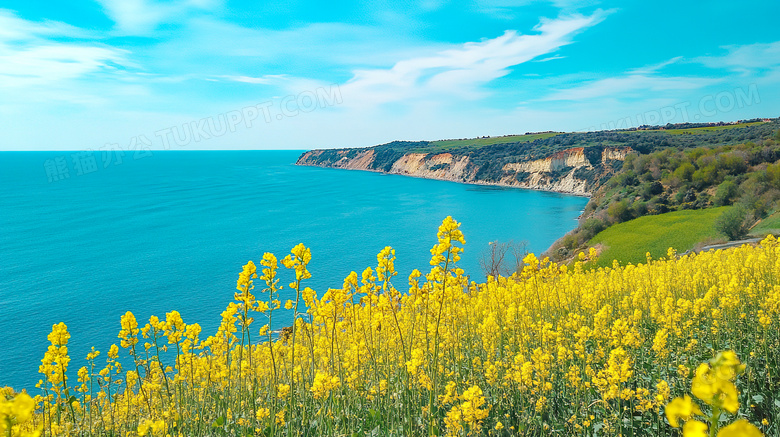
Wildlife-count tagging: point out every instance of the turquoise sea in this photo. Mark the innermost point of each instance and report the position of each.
(171, 230)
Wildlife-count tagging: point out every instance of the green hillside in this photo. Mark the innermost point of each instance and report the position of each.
(631, 240)
(702, 130)
(475, 143)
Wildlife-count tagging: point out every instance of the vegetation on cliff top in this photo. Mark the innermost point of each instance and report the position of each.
(746, 175)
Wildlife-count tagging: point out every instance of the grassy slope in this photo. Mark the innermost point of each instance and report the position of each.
(769, 225)
(629, 241)
(444, 145)
(701, 130)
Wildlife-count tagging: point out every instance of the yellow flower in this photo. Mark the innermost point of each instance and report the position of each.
(662, 388)
(453, 421)
(473, 408)
(129, 331)
(681, 408)
(151, 427)
(709, 386)
(740, 428)
(323, 384)
(262, 413)
(694, 428)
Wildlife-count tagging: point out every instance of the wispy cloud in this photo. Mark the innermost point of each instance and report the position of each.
(746, 58)
(462, 70)
(247, 79)
(636, 83)
(650, 69)
(550, 58)
(45, 53)
(139, 17)
(13, 28)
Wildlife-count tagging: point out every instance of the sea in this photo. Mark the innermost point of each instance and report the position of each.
(88, 236)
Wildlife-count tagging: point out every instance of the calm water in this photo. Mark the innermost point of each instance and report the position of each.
(172, 230)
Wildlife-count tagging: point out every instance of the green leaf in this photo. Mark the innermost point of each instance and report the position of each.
(219, 422)
(758, 399)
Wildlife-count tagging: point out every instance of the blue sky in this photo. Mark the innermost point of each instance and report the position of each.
(224, 74)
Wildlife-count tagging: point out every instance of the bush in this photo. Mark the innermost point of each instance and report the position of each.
(685, 171)
(639, 209)
(619, 211)
(650, 189)
(733, 223)
(591, 227)
(725, 193)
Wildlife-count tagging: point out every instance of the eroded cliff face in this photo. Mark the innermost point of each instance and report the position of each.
(442, 166)
(568, 158)
(572, 171)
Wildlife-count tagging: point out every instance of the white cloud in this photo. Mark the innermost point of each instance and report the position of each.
(138, 17)
(649, 69)
(52, 63)
(462, 70)
(633, 84)
(247, 79)
(13, 28)
(746, 58)
(31, 54)
(550, 58)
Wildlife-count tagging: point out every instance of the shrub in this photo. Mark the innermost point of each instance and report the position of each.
(725, 193)
(619, 211)
(591, 227)
(733, 223)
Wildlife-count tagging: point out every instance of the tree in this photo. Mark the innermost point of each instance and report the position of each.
(493, 259)
(726, 192)
(733, 223)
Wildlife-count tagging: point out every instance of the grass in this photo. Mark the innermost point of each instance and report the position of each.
(475, 143)
(701, 130)
(769, 225)
(629, 242)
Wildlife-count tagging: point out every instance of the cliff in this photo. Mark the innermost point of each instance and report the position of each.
(576, 170)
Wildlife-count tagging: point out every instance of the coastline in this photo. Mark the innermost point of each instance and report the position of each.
(482, 183)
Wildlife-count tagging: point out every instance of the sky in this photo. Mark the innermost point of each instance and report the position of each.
(236, 74)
